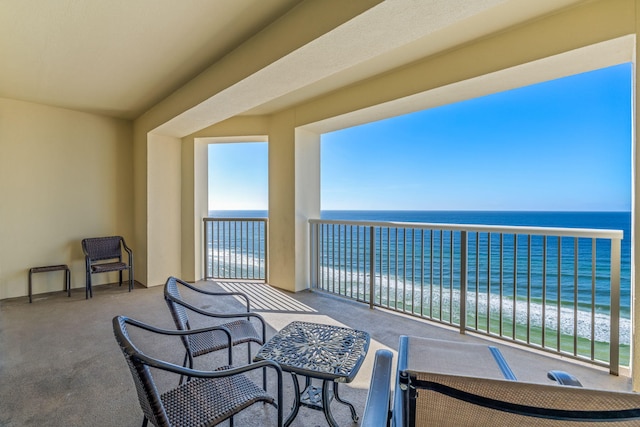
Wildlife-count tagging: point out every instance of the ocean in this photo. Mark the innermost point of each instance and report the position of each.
(595, 220)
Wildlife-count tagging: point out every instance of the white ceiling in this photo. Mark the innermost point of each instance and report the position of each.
(120, 57)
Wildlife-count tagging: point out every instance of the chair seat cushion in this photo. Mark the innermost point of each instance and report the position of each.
(108, 266)
(208, 401)
(242, 331)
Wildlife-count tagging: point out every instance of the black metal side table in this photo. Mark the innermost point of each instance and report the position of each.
(329, 353)
(61, 267)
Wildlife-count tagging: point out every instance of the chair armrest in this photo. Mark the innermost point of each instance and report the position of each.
(156, 330)
(564, 378)
(221, 315)
(127, 250)
(376, 410)
(220, 373)
(212, 293)
(181, 333)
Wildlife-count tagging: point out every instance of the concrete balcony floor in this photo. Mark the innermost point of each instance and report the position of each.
(60, 364)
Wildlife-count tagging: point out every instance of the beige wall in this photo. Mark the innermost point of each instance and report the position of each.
(64, 176)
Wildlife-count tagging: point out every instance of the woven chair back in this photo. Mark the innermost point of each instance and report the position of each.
(447, 400)
(178, 312)
(148, 394)
(101, 248)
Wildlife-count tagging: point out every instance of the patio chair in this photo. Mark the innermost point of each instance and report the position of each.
(104, 254)
(437, 398)
(242, 330)
(209, 398)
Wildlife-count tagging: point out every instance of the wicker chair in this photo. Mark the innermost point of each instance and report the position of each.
(209, 398)
(440, 397)
(242, 330)
(104, 254)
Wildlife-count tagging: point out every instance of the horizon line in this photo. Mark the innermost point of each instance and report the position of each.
(443, 210)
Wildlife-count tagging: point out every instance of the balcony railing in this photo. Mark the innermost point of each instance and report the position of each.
(553, 289)
(235, 248)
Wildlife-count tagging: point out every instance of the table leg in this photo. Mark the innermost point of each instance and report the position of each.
(296, 402)
(354, 415)
(326, 403)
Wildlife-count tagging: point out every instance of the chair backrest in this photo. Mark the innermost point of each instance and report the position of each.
(446, 392)
(178, 312)
(101, 248)
(439, 400)
(148, 394)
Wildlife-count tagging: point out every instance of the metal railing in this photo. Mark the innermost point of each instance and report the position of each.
(236, 248)
(554, 289)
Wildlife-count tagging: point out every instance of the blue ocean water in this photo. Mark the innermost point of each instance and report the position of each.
(597, 220)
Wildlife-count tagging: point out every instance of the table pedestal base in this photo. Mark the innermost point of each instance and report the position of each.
(318, 398)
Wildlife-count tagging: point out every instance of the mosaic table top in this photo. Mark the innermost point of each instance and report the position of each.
(317, 350)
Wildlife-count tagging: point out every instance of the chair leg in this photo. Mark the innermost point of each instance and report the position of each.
(120, 283)
(184, 364)
(88, 291)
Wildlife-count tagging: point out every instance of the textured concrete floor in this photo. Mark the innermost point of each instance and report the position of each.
(60, 364)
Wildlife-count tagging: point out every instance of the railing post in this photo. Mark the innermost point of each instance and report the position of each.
(266, 250)
(312, 255)
(463, 281)
(614, 329)
(372, 265)
(206, 264)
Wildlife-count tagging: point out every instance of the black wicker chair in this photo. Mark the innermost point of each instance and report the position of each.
(242, 330)
(209, 398)
(104, 254)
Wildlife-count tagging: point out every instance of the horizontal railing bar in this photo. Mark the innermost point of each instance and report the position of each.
(536, 231)
(235, 219)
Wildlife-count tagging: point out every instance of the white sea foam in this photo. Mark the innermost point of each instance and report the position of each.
(233, 262)
(357, 283)
(532, 312)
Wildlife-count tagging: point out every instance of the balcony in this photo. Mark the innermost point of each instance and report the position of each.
(62, 366)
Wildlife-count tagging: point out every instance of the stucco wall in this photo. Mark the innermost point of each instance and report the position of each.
(64, 176)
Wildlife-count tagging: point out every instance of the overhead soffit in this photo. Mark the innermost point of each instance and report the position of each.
(432, 37)
(387, 36)
(118, 57)
(588, 58)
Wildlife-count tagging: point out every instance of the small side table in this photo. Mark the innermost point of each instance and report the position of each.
(329, 353)
(61, 267)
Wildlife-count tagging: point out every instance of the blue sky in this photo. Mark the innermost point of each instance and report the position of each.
(561, 145)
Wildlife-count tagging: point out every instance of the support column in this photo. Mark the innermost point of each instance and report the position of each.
(307, 191)
(195, 206)
(294, 197)
(163, 208)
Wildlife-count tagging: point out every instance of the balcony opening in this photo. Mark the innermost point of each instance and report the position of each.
(553, 154)
(238, 179)
(236, 230)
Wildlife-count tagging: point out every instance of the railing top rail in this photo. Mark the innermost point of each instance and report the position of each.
(505, 229)
(210, 219)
